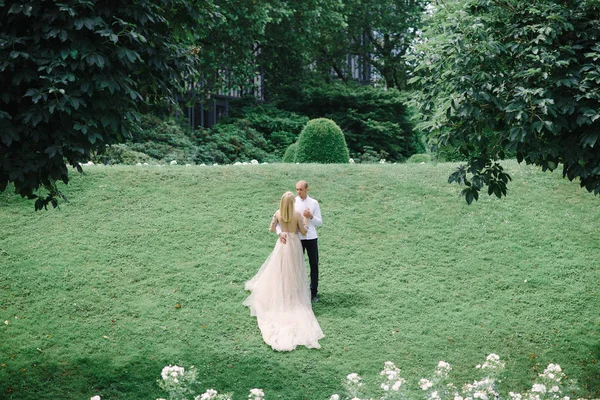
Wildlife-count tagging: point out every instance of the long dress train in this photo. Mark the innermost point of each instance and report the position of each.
(280, 299)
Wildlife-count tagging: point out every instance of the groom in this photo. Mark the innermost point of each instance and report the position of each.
(309, 208)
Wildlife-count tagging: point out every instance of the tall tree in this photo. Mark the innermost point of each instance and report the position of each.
(511, 78)
(75, 73)
(381, 32)
(299, 33)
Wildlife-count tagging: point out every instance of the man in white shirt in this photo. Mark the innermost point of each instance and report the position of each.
(309, 208)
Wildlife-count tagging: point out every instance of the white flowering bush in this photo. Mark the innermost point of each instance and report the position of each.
(179, 383)
(353, 385)
(439, 387)
(390, 385)
(549, 387)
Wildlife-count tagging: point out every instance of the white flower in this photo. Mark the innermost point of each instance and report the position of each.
(392, 375)
(480, 394)
(208, 395)
(254, 162)
(256, 393)
(515, 396)
(553, 368)
(351, 161)
(95, 398)
(457, 397)
(335, 397)
(538, 388)
(492, 362)
(353, 377)
(397, 385)
(555, 389)
(434, 395)
(425, 384)
(385, 387)
(172, 371)
(443, 365)
(174, 162)
(382, 161)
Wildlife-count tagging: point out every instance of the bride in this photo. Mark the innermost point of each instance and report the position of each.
(280, 297)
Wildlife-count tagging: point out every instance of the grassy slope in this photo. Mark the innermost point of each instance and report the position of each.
(409, 273)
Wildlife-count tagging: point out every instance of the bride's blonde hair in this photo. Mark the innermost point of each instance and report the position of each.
(286, 207)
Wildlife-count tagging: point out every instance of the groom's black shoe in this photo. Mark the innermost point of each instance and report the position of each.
(315, 299)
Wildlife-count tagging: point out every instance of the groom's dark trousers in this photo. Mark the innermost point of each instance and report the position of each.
(311, 248)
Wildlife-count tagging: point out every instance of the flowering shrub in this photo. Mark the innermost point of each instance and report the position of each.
(438, 387)
(177, 382)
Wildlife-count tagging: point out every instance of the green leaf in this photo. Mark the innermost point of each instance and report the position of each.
(15, 8)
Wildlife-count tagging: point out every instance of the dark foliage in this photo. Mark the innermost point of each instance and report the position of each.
(280, 128)
(370, 117)
(504, 79)
(72, 77)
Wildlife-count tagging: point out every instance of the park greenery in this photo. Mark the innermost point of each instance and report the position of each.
(512, 79)
(73, 76)
(488, 80)
(322, 141)
(145, 267)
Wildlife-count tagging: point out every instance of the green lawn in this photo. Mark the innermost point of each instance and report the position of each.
(409, 273)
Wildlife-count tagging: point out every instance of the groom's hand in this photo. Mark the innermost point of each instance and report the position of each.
(282, 238)
(306, 213)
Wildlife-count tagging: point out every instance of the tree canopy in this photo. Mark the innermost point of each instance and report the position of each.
(504, 78)
(75, 74)
(381, 32)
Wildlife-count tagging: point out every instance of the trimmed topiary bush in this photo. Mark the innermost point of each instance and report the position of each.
(290, 153)
(322, 141)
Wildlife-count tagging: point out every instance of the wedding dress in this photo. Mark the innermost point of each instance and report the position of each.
(280, 299)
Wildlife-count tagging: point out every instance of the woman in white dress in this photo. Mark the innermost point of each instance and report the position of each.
(280, 297)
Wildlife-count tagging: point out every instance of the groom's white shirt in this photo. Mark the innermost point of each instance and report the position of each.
(313, 205)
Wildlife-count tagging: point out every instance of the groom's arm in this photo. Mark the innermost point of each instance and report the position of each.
(316, 219)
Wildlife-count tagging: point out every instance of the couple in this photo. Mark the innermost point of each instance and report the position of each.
(280, 297)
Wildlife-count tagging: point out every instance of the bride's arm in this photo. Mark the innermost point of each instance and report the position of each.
(302, 223)
(274, 221)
